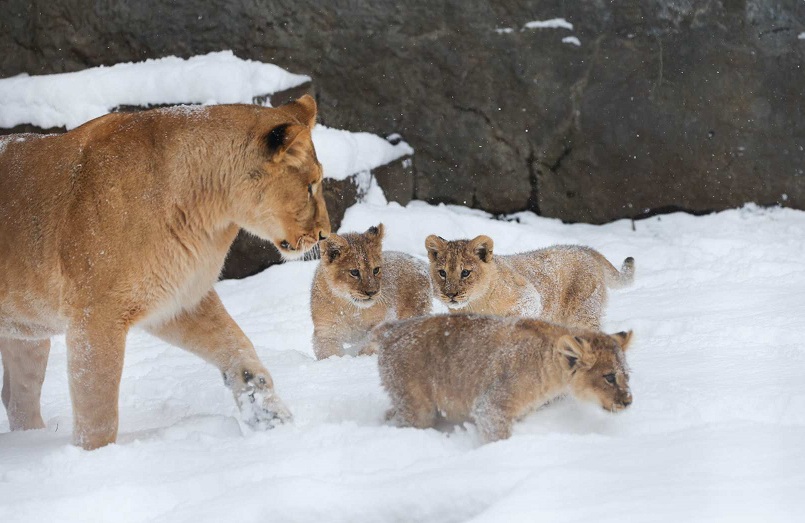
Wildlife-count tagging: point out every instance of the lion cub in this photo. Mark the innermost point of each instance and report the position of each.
(494, 370)
(357, 286)
(565, 284)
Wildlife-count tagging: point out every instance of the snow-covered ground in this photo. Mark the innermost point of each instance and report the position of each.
(715, 433)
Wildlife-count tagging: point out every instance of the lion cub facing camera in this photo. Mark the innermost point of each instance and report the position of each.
(565, 284)
(494, 370)
(358, 286)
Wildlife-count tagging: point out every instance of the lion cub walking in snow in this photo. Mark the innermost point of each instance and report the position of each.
(358, 286)
(494, 370)
(565, 284)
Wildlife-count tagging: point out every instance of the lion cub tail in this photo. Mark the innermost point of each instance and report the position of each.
(617, 279)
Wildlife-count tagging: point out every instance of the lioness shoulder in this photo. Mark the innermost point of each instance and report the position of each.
(358, 286)
(564, 284)
(494, 370)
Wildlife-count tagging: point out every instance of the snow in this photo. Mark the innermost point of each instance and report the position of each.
(715, 432)
(571, 40)
(70, 99)
(801, 36)
(553, 23)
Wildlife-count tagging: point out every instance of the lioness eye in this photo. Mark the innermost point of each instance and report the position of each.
(355, 273)
(442, 273)
(465, 273)
(376, 270)
(610, 378)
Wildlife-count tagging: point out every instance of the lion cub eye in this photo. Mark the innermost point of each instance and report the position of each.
(442, 273)
(355, 273)
(465, 273)
(610, 378)
(376, 270)
(310, 189)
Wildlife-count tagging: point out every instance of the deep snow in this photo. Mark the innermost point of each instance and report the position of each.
(715, 433)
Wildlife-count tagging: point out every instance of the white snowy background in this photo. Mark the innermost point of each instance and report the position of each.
(716, 431)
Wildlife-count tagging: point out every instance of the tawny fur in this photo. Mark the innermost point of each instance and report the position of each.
(345, 306)
(565, 284)
(494, 370)
(127, 220)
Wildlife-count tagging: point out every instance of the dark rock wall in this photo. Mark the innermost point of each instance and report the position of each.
(682, 104)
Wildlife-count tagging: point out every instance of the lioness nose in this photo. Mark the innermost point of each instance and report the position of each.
(322, 236)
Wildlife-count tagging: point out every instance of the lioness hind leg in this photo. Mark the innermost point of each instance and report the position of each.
(210, 332)
(95, 349)
(24, 365)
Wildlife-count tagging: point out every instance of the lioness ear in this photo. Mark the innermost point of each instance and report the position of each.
(303, 109)
(376, 232)
(571, 349)
(482, 247)
(282, 137)
(333, 247)
(622, 338)
(434, 244)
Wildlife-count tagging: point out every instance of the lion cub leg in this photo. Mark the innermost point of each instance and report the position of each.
(412, 410)
(492, 415)
(24, 364)
(95, 348)
(326, 345)
(210, 332)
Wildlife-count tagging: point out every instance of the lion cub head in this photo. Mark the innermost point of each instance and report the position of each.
(596, 368)
(279, 196)
(353, 265)
(461, 270)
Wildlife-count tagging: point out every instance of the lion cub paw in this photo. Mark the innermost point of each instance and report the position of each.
(260, 407)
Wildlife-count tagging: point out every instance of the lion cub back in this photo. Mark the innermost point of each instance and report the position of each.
(357, 286)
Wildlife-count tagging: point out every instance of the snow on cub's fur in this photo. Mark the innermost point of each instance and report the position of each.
(358, 286)
(126, 220)
(494, 370)
(564, 284)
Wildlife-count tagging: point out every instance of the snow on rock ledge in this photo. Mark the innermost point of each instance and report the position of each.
(70, 99)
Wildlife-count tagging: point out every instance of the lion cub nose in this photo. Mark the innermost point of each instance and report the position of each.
(627, 400)
(370, 293)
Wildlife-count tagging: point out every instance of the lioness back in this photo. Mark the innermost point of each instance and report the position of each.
(565, 284)
(358, 286)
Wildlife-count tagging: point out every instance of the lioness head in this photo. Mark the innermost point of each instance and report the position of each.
(461, 270)
(279, 197)
(353, 265)
(596, 368)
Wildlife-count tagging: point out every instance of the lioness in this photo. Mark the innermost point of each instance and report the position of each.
(565, 284)
(358, 286)
(494, 370)
(126, 221)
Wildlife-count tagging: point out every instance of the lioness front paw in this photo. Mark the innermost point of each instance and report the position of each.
(259, 405)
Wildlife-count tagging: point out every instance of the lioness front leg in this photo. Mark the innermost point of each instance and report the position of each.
(95, 349)
(24, 364)
(211, 333)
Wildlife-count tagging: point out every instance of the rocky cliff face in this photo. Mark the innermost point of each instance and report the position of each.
(692, 105)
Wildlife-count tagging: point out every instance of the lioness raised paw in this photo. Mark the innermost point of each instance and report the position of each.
(260, 407)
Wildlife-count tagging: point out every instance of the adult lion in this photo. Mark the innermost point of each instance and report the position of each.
(126, 221)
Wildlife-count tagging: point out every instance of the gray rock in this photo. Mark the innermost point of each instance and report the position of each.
(664, 105)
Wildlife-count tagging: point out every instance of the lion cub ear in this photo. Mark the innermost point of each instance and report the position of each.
(303, 109)
(435, 244)
(376, 232)
(622, 338)
(573, 351)
(333, 247)
(482, 246)
(282, 137)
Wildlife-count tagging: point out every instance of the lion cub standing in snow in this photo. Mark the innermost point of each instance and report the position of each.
(358, 286)
(565, 284)
(494, 370)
